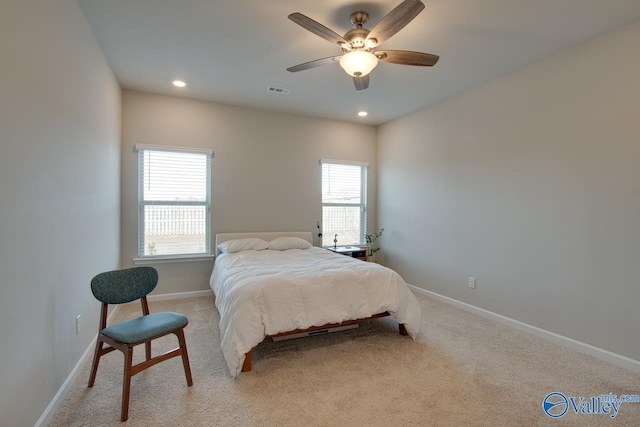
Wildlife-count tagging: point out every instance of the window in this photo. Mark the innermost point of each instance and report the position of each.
(174, 202)
(344, 202)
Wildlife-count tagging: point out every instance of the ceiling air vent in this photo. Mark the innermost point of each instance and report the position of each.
(279, 90)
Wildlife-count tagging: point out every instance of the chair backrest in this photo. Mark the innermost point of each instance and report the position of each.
(121, 286)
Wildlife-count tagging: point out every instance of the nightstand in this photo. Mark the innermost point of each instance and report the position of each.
(352, 251)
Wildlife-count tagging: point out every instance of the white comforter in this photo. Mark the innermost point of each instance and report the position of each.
(261, 293)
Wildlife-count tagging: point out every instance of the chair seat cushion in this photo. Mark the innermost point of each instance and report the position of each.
(146, 327)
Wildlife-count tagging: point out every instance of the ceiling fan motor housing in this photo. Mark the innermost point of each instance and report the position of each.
(357, 38)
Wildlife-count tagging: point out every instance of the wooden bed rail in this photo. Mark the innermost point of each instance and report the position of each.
(246, 366)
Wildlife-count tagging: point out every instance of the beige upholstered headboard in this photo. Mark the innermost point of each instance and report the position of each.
(264, 235)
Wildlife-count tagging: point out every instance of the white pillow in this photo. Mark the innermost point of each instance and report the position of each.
(284, 243)
(238, 245)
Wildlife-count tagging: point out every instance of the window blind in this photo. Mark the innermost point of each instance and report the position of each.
(173, 202)
(344, 190)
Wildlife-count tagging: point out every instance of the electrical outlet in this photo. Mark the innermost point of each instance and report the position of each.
(472, 282)
(78, 324)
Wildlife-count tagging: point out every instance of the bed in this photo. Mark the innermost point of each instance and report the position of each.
(273, 284)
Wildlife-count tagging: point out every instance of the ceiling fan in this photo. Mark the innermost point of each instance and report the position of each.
(360, 56)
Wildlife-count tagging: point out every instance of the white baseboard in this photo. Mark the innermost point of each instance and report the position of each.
(606, 355)
(180, 295)
(46, 416)
(48, 413)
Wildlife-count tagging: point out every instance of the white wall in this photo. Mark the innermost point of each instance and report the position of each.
(265, 173)
(531, 184)
(59, 186)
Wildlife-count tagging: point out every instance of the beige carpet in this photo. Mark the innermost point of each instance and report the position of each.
(463, 370)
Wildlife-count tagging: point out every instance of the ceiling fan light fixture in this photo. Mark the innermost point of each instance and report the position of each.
(358, 45)
(358, 63)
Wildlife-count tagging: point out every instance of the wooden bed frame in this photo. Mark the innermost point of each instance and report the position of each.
(306, 235)
(246, 366)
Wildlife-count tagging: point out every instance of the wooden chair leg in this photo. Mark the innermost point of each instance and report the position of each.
(96, 360)
(185, 356)
(126, 383)
(403, 329)
(147, 349)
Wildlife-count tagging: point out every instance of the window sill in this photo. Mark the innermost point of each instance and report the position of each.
(163, 259)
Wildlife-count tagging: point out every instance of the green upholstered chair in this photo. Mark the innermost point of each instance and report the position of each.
(122, 286)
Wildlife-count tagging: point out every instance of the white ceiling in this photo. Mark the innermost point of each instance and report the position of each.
(231, 51)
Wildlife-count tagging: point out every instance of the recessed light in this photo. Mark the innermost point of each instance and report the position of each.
(179, 83)
(363, 114)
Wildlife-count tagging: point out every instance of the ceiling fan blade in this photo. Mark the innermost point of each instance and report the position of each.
(395, 20)
(406, 57)
(361, 82)
(317, 28)
(314, 64)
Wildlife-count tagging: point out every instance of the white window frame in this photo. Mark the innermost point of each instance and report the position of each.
(364, 169)
(153, 259)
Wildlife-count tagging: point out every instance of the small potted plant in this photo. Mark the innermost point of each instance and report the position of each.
(372, 247)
